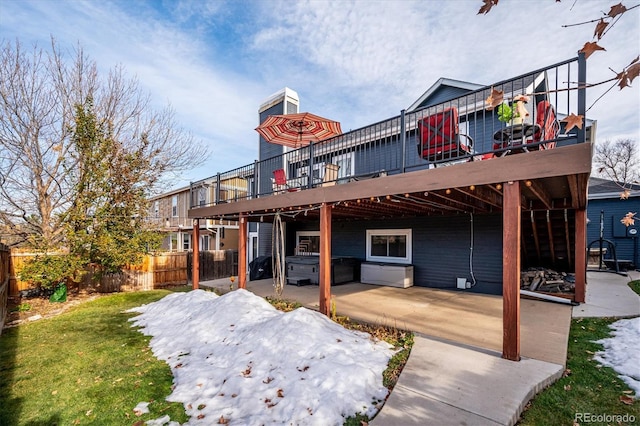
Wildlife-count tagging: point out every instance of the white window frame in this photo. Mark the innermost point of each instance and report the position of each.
(205, 242)
(317, 168)
(344, 171)
(174, 242)
(202, 196)
(185, 244)
(386, 232)
(303, 234)
(174, 206)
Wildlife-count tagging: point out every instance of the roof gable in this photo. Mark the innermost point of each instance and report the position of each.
(443, 90)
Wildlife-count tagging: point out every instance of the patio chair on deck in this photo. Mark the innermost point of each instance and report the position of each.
(545, 128)
(330, 174)
(549, 125)
(279, 182)
(440, 138)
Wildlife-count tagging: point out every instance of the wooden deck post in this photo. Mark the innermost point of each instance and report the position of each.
(511, 271)
(195, 264)
(581, 255)
(242, 251)
(325, 259)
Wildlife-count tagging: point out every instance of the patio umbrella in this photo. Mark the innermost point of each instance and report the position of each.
(297, 130)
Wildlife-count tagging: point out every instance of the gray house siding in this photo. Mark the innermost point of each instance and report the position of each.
(614, 209)
(440, 248)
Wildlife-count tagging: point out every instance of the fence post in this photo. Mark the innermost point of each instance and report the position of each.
(403, 140)
(217, 188)
(254, 184)
(310, 175)
(582, 95)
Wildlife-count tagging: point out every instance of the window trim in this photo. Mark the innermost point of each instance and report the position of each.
(174, 206)
(306, 234)
(374, 232)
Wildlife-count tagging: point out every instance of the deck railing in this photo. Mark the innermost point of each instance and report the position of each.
(398, 145)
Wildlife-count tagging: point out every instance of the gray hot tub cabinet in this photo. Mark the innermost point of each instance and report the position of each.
(390, 274)
(343, 269)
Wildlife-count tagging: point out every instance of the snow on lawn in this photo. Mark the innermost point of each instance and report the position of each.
(237, 357)
(622, 352)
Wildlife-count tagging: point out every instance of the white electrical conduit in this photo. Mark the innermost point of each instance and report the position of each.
(546, 297)
(278, 265)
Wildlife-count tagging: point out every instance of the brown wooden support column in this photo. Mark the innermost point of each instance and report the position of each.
(581, 255)
(511, 271)
(325, 259)
(195, 264)
(242, 251)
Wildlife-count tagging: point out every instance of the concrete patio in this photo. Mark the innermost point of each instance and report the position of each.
(463, 317)
(455, 374)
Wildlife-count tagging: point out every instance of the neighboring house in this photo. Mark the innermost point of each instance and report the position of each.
(509, 196)
(605, 203)
(168, 213)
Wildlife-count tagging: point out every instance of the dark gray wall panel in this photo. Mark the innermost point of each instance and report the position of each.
(441, 248)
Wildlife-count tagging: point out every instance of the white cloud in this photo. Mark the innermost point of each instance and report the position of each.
(353, 61)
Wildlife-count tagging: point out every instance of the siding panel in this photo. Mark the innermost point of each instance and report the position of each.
(441, 248)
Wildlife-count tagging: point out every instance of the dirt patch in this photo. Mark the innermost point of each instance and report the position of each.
(23, 309)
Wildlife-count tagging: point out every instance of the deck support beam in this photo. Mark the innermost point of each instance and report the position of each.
(511, 230)
(581, 255)
(325, 259)
(242, 251)
(195, 264)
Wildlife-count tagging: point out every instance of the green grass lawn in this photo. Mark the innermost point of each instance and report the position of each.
(89, 366)
(635, 286)
(586, 387)
(86, 366)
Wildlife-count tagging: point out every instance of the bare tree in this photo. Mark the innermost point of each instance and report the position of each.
(618, 161)
(39, 92)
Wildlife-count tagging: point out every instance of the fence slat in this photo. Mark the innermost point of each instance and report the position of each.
(155, 271)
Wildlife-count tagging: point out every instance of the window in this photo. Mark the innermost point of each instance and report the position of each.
(156, 209)
(186, 241)
(345, 161)
(307, 242)
(173, 242)
(204, 243)
(202, 196)
(389, 245)
(174, 206)
(318, 172)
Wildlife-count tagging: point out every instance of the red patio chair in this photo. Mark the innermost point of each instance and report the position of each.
(440, 138)
(280, 182)
(549, 125)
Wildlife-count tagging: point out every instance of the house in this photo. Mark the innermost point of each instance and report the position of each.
(168, 214)
(458, 210)
(604, 212)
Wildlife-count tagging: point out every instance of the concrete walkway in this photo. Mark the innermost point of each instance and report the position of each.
(608, 295)
(447, 384)
(455, 374)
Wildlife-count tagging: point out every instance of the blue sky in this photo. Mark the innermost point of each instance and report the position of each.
(357, 62)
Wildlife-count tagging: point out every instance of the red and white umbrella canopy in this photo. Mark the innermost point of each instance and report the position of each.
(297, 130)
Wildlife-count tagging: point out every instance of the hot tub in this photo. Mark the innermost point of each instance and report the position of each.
(343, 269)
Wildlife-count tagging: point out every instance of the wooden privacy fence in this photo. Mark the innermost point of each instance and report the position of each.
(4, 283)
(215, 264)
(156, 271)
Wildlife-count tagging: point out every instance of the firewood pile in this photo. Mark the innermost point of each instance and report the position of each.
(547, 281)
